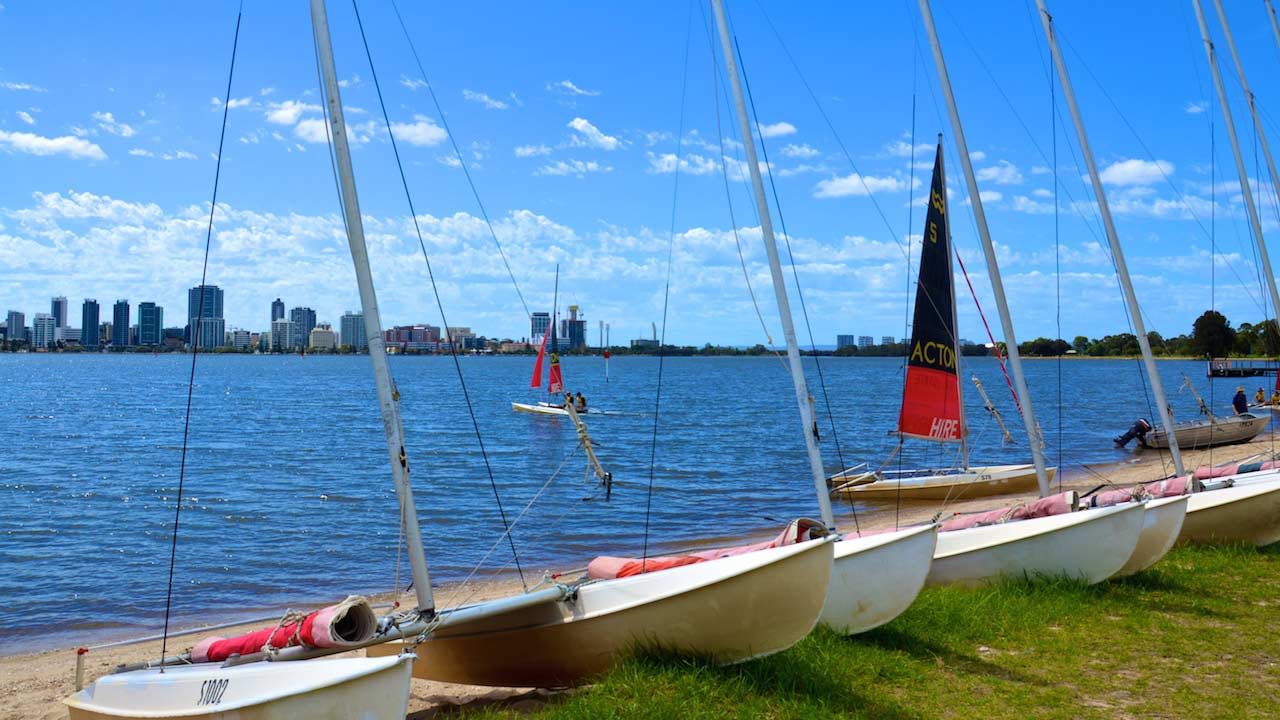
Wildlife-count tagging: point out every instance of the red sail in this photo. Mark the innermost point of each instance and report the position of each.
(537, 364)
(931, 400)
(555, 385)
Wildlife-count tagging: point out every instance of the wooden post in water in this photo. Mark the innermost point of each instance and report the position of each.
(1034, 436)
(775, 267)
(1117, 253)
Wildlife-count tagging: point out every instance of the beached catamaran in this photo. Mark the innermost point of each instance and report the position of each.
(933, 396)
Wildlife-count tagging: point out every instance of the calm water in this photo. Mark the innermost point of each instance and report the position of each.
(289, 497)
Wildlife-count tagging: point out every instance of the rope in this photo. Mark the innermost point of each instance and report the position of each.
(666, 293)
(195, 344)
(462, 163)
(453, 349)
(994, 345)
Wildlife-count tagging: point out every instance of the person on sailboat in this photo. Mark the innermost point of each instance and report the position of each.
(1260, 397)
(581, 403)
(1275, 397)
(1240, 403)
(568, 400)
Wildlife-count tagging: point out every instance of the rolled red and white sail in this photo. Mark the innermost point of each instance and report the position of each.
(350, 623)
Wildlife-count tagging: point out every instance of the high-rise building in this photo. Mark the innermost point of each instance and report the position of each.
(844, 341)
(206, 327)
(304, 321)
(16, 324)
(322, 337)
(43, 331)
(89, 323)
(539, 325)
(120, 324)
(241, 340)
(351, 331)
(58, 309)
(573, 331)
(68, 335)
(150, 324)
(866, 341)
(281, 335)
(277, 309)
(886, 340)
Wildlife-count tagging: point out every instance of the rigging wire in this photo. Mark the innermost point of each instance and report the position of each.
(196, 336)
(795, 275)
(453, 349)
(666, 291)
(911, 223)
(462, 162)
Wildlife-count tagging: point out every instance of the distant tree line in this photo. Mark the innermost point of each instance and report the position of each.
(1211, 336)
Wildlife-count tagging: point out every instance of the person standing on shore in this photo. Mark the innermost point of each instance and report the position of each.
(1240, 403)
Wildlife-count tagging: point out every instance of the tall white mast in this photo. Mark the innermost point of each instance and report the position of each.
(1254, 220)
(388, 396)
(1034, 438)
(1275, 24)
(1117, 253)
(775, 267)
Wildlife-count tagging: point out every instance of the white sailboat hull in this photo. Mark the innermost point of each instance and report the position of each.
(544, 409)
(331, 689)
(1161, 524)
(1090, 545)
(1248, 513)
(876, 578)
(1209, 433)
(727, 610)
(971, 483)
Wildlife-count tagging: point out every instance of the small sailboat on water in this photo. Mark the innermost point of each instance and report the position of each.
(932, 399)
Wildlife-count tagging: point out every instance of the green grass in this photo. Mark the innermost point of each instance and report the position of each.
(1195, 637)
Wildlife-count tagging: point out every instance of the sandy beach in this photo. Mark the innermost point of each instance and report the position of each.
(34, 684)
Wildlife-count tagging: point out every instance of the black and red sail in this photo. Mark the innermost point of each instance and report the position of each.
(931, 406)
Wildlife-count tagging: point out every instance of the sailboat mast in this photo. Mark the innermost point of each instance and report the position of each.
(955, 318)
(1034, 438)
(1117, 253)
(388, 396)
(775, 267)
(1250, 204)
(1275, 24)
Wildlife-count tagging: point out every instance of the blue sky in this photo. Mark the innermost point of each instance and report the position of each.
(569, 117)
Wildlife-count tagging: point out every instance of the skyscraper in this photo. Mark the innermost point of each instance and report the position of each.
(539, 324)
(281, 335)
(351, 331)
(43, 331)
(120, 324)
(206, 327)
(58, 309)
(304, 321)
(17, 324)
(89, 324)
(277, 310)
(574, 330)
(150, 324)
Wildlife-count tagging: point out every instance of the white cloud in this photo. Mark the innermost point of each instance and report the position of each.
(175, 155)
(1041, 193)
(802, 169)
(855, 185)
(216, 103)
(690, 164)
(904, 149)
(413, 84)
(778, 129)
(21, 86)
(289, 111)
(568, 88)
(1195, 108)
(1002, 173)
(573, 167)
(588, 135)
(266, 91)
(26, 117)
(449, 161)
(1136, 172)
(800, 151)
(977, 156)
(422, 132)
(1040, 170)
(312, 130)
(485, 100)
(990, 196)
(108, 124)
(67, 145)
(353, 81)
(141, 152)
(524, 151)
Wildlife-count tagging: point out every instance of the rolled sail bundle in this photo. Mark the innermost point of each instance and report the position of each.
(1217, 471)
(350, 623)
(1172, 487)
(1044, 507)
(606, 567)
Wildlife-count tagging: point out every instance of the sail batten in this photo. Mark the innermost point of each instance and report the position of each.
(931, 405)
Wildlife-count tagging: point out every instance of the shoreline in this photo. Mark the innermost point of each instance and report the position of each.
(35, 681)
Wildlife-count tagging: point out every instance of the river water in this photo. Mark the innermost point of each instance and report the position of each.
(288, 496)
